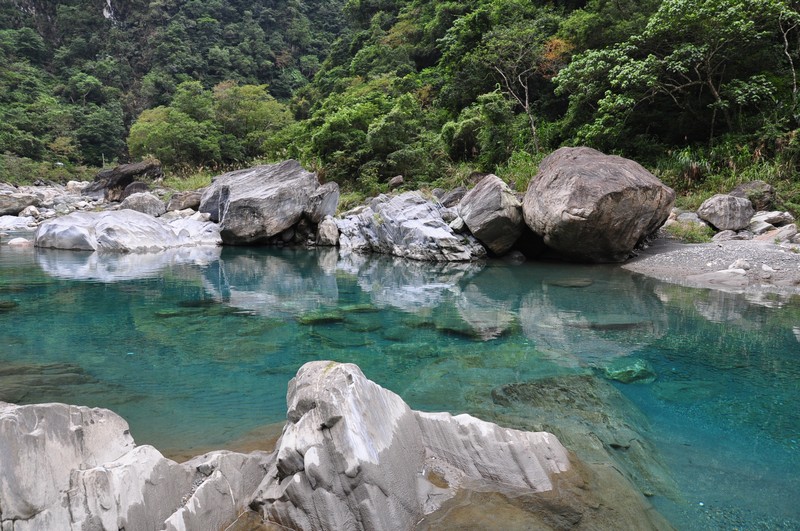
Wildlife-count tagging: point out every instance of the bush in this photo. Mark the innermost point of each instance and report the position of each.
(690, 232)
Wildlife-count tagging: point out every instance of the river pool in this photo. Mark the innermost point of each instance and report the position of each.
(195, 347)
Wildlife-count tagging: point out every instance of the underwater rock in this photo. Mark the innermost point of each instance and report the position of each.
(593, 419)
(627, 370)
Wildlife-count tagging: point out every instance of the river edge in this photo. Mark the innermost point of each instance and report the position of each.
(756, 268)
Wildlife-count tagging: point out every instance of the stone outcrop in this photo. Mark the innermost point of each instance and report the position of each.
(594, 207)
(256, 204)
(123, 231)
(406, 225)
(322, 202)
(493, 214)
(70, 467)
(14, 203)
(144, 202)
(354, 456)
(110, 184)
(726, 212)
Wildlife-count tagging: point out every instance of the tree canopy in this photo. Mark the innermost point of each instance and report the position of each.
(363, 90)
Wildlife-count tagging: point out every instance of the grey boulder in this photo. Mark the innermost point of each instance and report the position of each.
(593, 207)
(123, 231)
(759, 193)
(493, 214)
(726, 212)
(184, 200)
(144, 202)
(322, 202)
(407, 225)
(255, 204)
(14, 203)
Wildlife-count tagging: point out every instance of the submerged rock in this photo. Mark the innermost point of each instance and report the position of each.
(628, 370)
(593, 419)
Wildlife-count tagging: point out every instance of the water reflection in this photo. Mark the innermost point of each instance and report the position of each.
(273, 284)
(116, 267)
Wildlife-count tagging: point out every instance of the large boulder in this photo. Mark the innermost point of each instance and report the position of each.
(123, 231)
(110, 184)
(322, 202)
(759, 193)
(726, 212)
(40, 446)
(407, 225)
(594, 207)
(70, 467)
(493, 214)
(255, 204)
(354, 456)
(144, 202)
(14, 203)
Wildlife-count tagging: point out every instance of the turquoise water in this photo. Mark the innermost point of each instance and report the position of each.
(195, 348)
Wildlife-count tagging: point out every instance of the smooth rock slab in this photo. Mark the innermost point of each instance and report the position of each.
(123, 231)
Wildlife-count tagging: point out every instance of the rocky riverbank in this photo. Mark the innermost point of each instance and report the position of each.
(750, 266)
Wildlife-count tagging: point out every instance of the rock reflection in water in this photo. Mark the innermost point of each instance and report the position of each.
(116, 267)
(624, 315)
(273, 283)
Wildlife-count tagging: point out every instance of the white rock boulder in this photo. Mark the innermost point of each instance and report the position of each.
(409, 226)
(354, 456)
(123, 231)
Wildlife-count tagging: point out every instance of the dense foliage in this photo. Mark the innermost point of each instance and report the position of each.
(704, 92)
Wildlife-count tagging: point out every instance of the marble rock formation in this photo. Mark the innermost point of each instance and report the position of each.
(407, 225)
(593, 207)
(493, 214)
(123, 231)
(256, 204)
(354, 456)
(727, 212)
(69, 467)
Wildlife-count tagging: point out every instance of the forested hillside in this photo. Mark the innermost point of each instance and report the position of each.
(704, 92)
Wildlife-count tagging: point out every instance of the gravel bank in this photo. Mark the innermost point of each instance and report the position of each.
(742, 266)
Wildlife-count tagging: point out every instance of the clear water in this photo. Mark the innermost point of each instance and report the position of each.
(195, 348)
